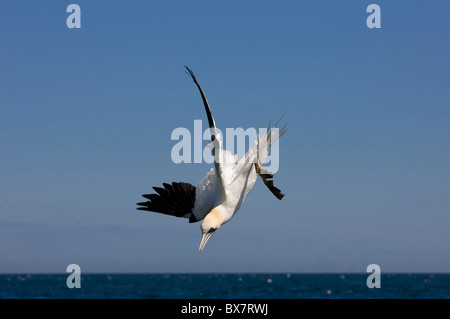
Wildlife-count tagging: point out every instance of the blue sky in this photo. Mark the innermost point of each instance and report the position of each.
(86, 117)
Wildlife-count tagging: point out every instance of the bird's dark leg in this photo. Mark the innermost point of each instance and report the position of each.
(267, 179)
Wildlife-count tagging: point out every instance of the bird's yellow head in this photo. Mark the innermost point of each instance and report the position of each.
(210, 224)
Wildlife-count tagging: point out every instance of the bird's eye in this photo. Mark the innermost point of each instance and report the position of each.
(211, 230)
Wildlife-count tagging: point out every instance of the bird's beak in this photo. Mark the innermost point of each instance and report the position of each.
(205, 238)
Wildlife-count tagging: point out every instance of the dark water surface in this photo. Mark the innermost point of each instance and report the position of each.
(225, 286)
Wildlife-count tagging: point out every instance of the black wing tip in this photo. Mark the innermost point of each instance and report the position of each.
(176, 199)
(190, 72)
(192, 219)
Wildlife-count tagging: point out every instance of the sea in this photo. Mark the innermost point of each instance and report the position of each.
(225, 286)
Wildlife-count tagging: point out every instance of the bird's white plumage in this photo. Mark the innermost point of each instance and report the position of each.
(220, 194)
(208, 195)
(238, 178)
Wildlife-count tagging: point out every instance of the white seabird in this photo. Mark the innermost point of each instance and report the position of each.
(225, 187)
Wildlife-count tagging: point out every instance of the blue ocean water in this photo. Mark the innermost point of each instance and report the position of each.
(225, 286)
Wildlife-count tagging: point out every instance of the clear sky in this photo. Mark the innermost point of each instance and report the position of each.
(86, 117)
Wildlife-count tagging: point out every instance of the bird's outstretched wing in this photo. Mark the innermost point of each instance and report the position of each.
(219, 154)
(212, 124)
(176, 199)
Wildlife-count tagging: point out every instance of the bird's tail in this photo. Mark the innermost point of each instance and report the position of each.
(272, 135)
